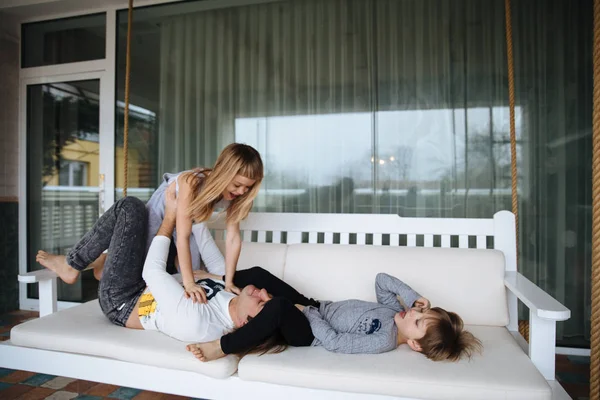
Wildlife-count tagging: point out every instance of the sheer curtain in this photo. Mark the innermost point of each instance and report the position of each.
(391, 106)
(553, 53)
(279, 76)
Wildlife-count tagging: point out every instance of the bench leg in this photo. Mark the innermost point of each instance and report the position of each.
(542, 345)
(48, 299)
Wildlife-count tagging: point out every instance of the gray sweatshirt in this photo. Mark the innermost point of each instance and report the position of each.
(356, 326)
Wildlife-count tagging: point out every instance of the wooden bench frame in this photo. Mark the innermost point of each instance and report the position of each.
(345, 229)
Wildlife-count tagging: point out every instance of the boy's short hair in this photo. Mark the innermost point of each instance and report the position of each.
(446, 339)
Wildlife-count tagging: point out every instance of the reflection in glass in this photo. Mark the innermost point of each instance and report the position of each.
(420, 162)
(63, 40)
(381, 107)
(62, 173)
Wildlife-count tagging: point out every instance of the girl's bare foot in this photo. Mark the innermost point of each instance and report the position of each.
(59, 265)
(206, 351)
(98, 266)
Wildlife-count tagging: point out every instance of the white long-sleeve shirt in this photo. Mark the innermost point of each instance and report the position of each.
(164, 307)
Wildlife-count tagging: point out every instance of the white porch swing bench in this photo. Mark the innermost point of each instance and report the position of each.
(329, 256)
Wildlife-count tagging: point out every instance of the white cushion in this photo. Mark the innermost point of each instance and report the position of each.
(469, 282)
(503, 371)
(270, 256)
(85, 330)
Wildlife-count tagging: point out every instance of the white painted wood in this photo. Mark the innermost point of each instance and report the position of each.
(294, 237)
(312, 237)
(262, 237)
(505, 240)
(247, 236)
(573, 351)
(328, 239)
(428, 241)
(276, 237)
(163, 380)
(182, 383)
(540, 303)
(344, 238)
(544, 309)
(48, 297)
(107, 111)
(411, 240)
(37, 276)
(463, 241)
(542, 342)
(394, 239)
(361, 238)
(46, 72)
(363, 223)
(377, 239)
(446, 241)
(481, 242)
(513, 310)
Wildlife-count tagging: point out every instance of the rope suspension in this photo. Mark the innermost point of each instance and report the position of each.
(523, 325)
(511, 102)
(126, 116)
(595, 328)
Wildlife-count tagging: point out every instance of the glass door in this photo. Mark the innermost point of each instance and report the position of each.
(64, 184)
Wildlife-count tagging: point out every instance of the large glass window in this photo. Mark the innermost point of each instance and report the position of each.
(380, 106)
(63, 40)
(63, 156)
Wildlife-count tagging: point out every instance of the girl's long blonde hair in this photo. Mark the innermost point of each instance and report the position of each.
(235, 159)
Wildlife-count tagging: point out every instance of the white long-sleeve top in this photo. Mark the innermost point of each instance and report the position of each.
(164, 307)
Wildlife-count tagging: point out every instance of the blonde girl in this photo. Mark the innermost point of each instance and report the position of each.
(232, 184)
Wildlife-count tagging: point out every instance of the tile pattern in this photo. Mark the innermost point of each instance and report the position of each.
(573, 373)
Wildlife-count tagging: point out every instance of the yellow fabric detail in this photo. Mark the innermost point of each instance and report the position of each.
(147, 305)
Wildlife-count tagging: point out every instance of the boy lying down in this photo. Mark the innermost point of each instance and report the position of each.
(353, 326)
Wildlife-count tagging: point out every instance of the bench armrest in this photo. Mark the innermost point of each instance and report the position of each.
(37, 276)
(47, 289)
(544, 311)
(538, 301)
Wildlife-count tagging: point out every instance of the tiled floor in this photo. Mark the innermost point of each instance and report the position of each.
(573, 373)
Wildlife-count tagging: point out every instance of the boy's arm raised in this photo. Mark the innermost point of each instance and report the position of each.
(388, 287)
